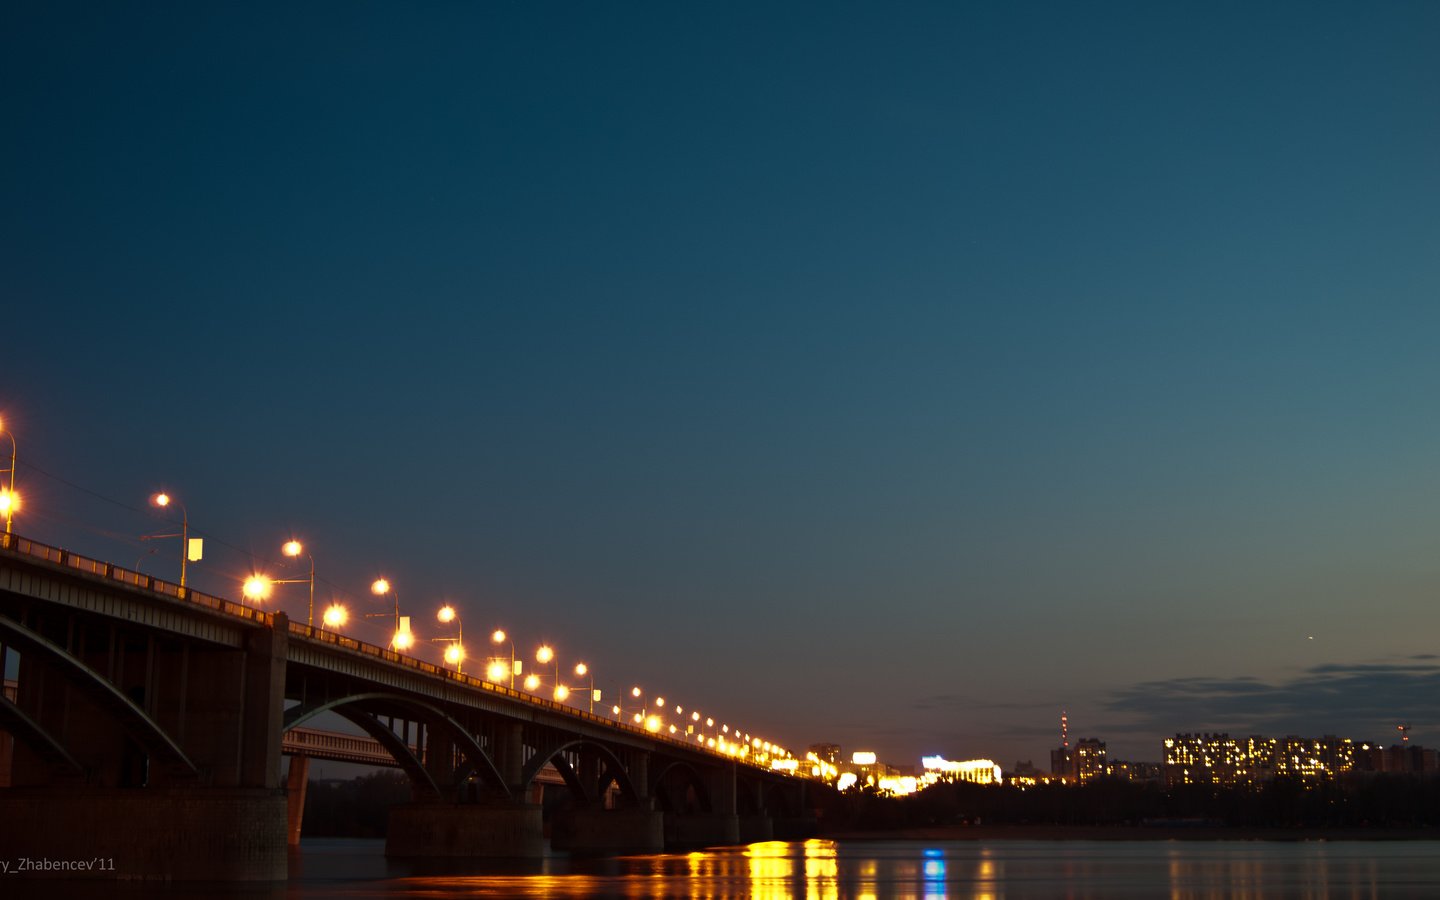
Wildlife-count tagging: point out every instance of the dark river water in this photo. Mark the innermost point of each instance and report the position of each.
(897, 869)
(820, 869)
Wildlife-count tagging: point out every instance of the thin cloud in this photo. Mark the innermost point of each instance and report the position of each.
(1362, 701)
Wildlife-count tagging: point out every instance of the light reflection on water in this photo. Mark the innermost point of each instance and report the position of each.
(863, 870)
(878, 870)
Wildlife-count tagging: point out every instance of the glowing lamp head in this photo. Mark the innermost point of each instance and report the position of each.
(497, 672)
(336, 616)
(659, 701)
(380, 587)
(652, 724)
(499, 636)
(709, 723)
(695, 717)
(562, 693)
(679, 711)
(446, 614)
(635, 692)
(403, 640)
(256, 587)
(292, 548)
(544, 654)
(615, 710)
(581, 669)
(532, 682)
(9, 500)
(161, 500)
(454, 654)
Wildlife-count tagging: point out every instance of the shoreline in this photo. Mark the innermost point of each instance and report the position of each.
(1131, 833)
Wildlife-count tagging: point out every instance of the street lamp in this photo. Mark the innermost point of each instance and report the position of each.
(498, 671)
(258, 587)
(402, 638)
(9, 500)
(189, 550)
(335, 617)
(293, 549)
(546, 654)
(583, 671)
(455, 652)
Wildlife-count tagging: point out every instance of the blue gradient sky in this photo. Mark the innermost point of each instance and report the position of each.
(889, 376)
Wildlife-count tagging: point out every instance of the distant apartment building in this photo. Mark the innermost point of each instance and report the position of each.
(1399, 759)
(1220, 759)
(1089, 761)
(1062, 763)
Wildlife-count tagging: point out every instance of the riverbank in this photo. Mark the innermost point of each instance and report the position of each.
(1164, 832)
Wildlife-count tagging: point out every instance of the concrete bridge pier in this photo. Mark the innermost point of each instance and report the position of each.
(492, 828)
(140, 834)
(719, 825)
(756, 828)
(684, 830)
(591, 829)
(633, 827)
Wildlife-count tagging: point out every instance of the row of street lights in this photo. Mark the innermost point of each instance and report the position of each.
(258, 588)
(500, 670)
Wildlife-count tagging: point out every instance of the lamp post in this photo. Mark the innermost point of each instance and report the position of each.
(546, 654)
(9, 500)
(499, 638)
(583, 671)
(402, 638)
(293, 549)
(455, 652)
(258, 587)
(163, 501)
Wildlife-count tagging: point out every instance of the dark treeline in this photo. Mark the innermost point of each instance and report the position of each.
(1384, 801)
(356, 808)
(360, 807)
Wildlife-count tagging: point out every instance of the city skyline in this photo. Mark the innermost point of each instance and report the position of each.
(890, 377)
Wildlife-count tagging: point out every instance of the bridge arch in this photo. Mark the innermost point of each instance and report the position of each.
(152, 739)
(689, 777)
(614, 770)
(33, 735)
(352, 709)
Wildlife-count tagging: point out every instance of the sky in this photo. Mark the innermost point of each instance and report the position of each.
(897, 376)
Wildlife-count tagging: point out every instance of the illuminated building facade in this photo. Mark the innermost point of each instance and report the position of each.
(975, 771)
(1089, 760)
(1219, 759)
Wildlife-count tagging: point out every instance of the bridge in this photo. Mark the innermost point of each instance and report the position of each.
(150, 722)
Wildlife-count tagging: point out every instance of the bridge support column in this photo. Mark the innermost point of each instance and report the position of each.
(263, 728)
(499, 829)
(171, 833)
(510, 753)
(297, 780)
(591, 829)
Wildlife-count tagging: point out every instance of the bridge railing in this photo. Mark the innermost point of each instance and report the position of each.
(141, 581)
(470, 681)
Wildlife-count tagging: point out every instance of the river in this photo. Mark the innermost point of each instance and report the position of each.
(821, 869)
